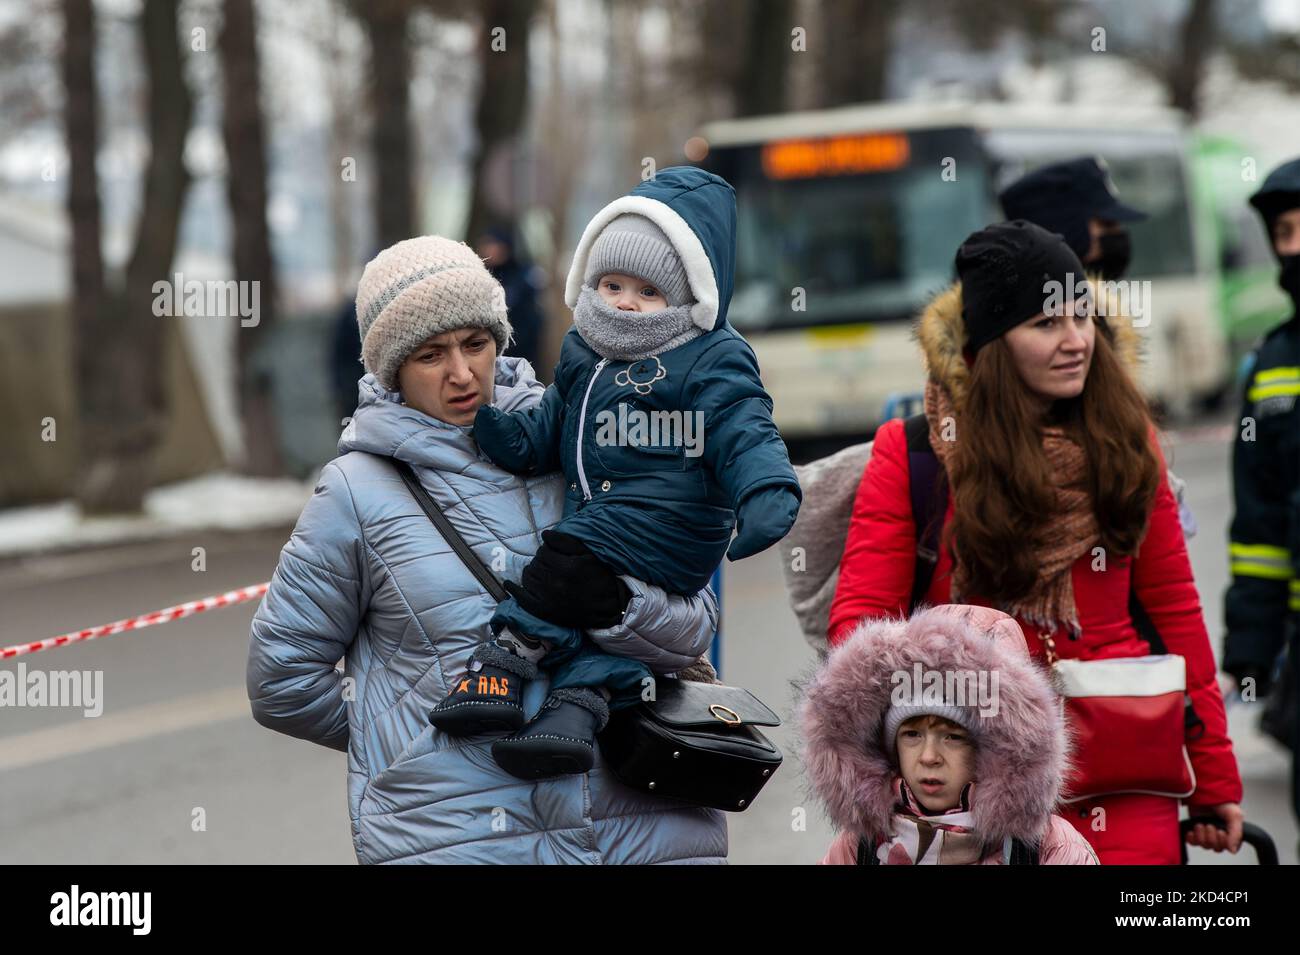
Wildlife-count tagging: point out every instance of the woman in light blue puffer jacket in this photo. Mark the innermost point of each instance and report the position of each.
(366, 578)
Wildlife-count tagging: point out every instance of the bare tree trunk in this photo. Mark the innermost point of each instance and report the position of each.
(246, 183)
(343, 132)
(565, 119)
(502, 101)
(854, 49)
(626, 88)
(1188, 68)
(761, 82)
(123, 427)
(390, 67)
(80, 117)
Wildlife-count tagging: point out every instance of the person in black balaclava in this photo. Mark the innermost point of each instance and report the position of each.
(1278, 201)
(1077, 200)
(1262, 605)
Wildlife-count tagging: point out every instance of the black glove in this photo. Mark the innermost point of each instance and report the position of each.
(566, 584)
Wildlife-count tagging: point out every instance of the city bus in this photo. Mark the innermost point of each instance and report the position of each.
(849, 220)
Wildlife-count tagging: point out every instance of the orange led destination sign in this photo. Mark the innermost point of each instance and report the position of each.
(835, 155)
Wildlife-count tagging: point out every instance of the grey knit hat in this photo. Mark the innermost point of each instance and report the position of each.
(633, 245)
(898, 714)
(419, 288)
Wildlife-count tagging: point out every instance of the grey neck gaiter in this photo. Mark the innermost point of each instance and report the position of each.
(631, 336)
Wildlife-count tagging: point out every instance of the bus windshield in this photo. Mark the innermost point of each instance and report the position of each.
(1156, 184)
(862, 247)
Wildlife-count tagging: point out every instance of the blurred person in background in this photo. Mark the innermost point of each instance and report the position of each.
(519, 280)
(1263, 602)
(1077, 200)
(345, 360)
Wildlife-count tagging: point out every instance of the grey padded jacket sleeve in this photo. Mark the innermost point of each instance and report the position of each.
(308, 618)
(664, 631)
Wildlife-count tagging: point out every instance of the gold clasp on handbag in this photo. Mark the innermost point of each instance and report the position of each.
(735, 717)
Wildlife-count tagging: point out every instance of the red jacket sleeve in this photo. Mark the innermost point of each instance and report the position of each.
(1162, 578)
(880, 550)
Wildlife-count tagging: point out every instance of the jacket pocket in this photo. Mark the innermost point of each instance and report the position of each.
(433, 759)
(420, 744)
(638, 438)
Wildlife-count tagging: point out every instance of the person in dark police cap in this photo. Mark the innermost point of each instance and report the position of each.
(1077, 199)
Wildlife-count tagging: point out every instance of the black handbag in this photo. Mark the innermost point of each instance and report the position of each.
(694, 742)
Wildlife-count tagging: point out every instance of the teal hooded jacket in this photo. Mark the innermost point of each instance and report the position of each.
(663, 511)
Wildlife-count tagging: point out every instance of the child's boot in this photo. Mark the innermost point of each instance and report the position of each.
(560, 739)
(488, 697)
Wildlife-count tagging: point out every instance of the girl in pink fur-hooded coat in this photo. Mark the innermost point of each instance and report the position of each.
(982, 794)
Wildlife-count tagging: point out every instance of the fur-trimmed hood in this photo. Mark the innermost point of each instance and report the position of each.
(1021, 751)
(942, 335)
(697, 212)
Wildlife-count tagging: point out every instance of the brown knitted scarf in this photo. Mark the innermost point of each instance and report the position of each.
(1071, 532)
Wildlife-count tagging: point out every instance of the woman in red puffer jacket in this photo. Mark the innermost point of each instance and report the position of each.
(1057, 510)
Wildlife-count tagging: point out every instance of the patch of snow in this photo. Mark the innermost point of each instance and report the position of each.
(217, 501)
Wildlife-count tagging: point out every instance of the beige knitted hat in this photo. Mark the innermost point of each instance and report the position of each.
(419, 288)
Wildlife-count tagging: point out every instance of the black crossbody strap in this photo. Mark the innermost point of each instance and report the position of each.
(449, 533)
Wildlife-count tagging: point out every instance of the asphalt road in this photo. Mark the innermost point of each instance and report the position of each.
(176, 771)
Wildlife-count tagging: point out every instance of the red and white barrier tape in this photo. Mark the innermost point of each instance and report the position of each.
(144, 620)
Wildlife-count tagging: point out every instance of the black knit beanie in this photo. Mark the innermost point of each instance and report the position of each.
(1004, 269)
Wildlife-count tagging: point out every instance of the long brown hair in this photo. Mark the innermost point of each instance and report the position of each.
(1003, 496)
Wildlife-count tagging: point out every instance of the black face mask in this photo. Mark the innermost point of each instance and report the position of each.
(1289, 278)
(1116, 250)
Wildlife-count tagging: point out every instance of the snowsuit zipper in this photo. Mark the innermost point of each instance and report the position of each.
(582, 427)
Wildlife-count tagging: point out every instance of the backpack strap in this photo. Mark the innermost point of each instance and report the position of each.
(1015, 852)
(929, 492)
(866, 855)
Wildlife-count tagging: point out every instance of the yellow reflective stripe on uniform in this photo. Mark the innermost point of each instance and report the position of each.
(1294, 602)
(1264, 551)
(1248, 568)
(1272, 391)
(1281, 373)
(1260, 560)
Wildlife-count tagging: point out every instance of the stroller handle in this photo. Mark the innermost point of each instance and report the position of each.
(1251, 834)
